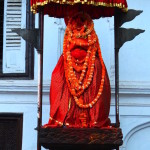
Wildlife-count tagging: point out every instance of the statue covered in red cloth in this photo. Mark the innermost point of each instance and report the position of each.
(80, 88)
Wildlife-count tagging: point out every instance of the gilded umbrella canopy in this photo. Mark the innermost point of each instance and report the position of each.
(64, 8)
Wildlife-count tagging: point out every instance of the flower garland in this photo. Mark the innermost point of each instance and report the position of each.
(81, 26)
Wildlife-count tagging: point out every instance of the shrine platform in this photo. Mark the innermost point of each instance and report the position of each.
(80, 138)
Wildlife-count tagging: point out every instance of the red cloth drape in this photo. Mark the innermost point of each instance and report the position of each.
(63, 8)
(60, 99)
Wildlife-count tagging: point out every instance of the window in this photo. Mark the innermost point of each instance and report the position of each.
(11, 125)
(16, 55)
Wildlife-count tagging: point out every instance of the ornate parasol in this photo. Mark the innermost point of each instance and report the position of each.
(63, 8)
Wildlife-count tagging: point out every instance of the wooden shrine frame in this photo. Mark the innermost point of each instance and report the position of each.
(127, 36)
(40, 80)
(102, 137)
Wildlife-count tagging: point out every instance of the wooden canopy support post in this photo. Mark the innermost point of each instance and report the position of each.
(122, 35)
(117, 86)
(116, 76)
(40, 75)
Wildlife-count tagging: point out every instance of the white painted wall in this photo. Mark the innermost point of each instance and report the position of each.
(21, 96)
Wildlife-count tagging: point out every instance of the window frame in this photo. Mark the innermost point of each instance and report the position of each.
(29, 56)
(1, 33)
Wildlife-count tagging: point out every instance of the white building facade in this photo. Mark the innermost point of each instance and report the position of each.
(20, 95)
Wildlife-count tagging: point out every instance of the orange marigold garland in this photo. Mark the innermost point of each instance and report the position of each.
(81, 26)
